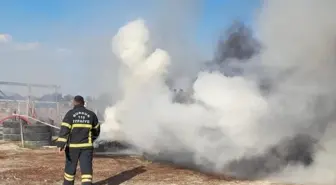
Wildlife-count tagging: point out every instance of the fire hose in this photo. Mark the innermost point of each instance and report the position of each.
(26, 119)
(45, 123)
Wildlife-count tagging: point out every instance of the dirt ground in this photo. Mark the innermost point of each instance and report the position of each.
(45, 167)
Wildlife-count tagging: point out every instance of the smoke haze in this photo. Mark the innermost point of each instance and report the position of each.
(231, 123)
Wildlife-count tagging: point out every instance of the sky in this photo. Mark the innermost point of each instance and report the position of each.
(65, 41)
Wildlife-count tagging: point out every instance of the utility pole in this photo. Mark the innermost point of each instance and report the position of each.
(29, 101)
(58, 113)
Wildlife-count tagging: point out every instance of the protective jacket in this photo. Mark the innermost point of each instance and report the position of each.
(79, 128)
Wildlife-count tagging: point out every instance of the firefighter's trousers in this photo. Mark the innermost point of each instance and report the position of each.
(84, 156)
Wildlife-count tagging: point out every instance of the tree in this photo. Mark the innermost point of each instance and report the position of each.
(50, 97)
(68, 98)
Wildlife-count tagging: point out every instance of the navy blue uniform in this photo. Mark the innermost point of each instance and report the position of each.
(79, 129)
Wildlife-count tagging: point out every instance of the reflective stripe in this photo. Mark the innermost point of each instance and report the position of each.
(75, 125)
(68, 177)
(86, 176)
(80, 145)
(97, 126)
(66, 125)
(86, 180)
(60, 139)
(90, 136)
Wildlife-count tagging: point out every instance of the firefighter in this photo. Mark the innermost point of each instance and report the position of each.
(79, 129)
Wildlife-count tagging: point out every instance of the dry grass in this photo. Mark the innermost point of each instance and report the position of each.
(45, 167)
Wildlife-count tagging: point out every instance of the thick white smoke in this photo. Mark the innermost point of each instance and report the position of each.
(231, 117)
(147, 102)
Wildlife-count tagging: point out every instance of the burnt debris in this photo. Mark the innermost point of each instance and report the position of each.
(298, 150)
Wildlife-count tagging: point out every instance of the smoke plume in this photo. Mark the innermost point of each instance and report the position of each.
(232, 127)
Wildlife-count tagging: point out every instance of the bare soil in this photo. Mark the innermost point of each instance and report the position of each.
(45, 167)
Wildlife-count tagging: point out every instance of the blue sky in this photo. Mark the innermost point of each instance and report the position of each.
(56, 22)
(30, 20)
(218, 14)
